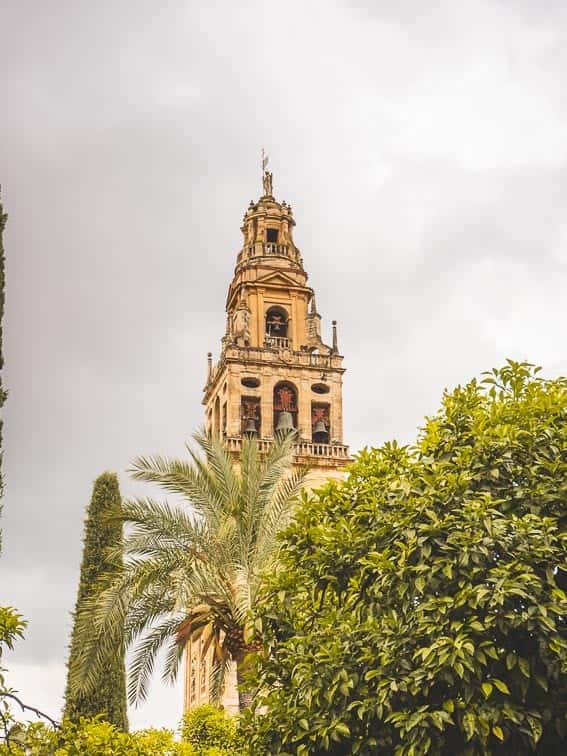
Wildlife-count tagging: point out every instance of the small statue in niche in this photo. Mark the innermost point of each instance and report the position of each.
(249, 232)
(267, 181)
(241, 324)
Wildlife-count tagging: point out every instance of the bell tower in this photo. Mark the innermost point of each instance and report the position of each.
(275, 373)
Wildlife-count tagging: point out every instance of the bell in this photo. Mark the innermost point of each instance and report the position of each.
(319, 427)
(285, 422)
(250, 429)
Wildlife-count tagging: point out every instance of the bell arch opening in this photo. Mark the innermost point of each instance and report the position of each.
(320, 422)
(285, 407)
(277, 322)
(250, 416)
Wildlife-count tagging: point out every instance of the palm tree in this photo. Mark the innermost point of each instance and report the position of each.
(192, 569)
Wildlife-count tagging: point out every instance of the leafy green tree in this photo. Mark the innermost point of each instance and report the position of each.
(11, 628)
(420, 608)
(3, 219)
(194, 569)
(101, 561)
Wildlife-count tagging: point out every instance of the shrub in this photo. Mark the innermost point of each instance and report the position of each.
(212, 732)
(92, 737)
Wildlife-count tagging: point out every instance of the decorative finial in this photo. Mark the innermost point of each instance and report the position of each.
(267, 181)
(266, 175)
(335, 340)
(210, 363)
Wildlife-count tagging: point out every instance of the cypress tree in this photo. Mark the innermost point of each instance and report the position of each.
(3, 219)
(108, 698)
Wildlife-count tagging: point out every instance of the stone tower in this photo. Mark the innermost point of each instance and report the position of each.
(274, 370)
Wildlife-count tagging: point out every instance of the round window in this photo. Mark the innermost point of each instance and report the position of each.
(250, 382)
(320, 388)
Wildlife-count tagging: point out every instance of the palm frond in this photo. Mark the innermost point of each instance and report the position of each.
(143, 660)
(277, 514)
(174, 656)
(219, 670)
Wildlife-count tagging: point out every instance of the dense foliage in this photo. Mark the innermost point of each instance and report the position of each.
(209, 728)
(95, 738)
(3, 219)
(206, 731)
(421, 607)
(103, 532)
(192, 570)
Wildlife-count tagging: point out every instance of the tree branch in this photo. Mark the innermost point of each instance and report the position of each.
(4, 715)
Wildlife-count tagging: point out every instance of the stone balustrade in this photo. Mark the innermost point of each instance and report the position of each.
(268, 249)
(282, 250)
(276, 342)
(333, 451)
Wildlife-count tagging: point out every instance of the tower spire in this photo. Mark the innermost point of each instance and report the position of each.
(335, 339)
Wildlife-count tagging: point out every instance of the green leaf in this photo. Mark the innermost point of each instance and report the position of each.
(502, 687)
(498, 732)
(524, 667)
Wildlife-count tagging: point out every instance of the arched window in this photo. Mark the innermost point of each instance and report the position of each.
(285, 407)
(276, 323)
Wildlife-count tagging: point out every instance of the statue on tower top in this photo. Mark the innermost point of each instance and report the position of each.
(267, 181)
(266, 175)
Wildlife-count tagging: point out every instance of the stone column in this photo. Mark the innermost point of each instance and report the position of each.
(260, 325)
(335, 397)
(304, 414)
(267, 400)
(294, 323)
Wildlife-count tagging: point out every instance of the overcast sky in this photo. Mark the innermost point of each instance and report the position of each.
(423, 147)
